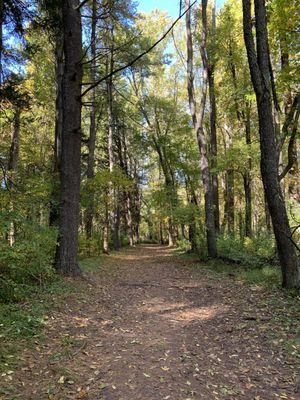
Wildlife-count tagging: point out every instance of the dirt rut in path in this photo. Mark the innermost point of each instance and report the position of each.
(152, 327)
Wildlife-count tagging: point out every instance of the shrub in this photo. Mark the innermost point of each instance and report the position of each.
(28, 261)
(183, 245)
(256, 252)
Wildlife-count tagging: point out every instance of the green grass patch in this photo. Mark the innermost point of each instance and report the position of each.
(292, 347)
(25, 321)
(267, 275)
(91, 264)
(270, 276)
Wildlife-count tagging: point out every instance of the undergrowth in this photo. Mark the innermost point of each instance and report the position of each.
(24, 321)
(266, 275)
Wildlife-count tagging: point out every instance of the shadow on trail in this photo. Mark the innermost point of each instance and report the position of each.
(157, 330)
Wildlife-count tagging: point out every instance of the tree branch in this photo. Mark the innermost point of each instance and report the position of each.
(139, 56)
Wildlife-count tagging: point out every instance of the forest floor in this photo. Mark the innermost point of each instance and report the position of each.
(155, 325)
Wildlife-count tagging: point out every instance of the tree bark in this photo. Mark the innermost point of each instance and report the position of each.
(247, 179)
(114, 215)
(66, 255)
(259, 65)
(198, 118)
(248, 204)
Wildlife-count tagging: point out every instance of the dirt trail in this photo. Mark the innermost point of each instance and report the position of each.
(153, 328)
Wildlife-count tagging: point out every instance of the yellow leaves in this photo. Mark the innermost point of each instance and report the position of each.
(284, 396)
(165, 368)
(61, 380)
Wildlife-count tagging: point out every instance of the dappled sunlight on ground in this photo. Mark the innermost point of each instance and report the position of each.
(181, 311)
(155, 330)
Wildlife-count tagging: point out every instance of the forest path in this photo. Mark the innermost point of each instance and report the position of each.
(153, 327)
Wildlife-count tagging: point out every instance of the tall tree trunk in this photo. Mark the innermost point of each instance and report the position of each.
(129, 218)
(114, 215)
(244, 117)
(247, 179)
(259, 63)
(12, 166)
(55, 192)
(105, 231)
(66, 255)
(198, 119)
(127, 193)
(213, 130)
(248, 203)
(92, 138)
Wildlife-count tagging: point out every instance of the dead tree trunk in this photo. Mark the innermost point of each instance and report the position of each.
(259, 64)
(66, 255)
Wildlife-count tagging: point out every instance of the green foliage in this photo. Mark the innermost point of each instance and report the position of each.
(183, 245)
(28, 261)
(89, 247)
(266, 276)
(25, 321)
(256, 252)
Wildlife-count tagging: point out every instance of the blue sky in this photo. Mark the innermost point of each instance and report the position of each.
(171, 6)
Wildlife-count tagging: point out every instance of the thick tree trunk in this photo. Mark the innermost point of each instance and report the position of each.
(66, 256)
(259, 64)
(92, 138)
(198, 118)
(55, 192)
